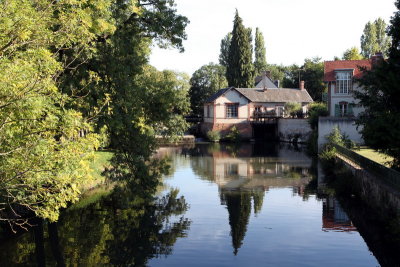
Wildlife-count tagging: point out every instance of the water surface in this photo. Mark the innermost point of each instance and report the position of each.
(222, 205)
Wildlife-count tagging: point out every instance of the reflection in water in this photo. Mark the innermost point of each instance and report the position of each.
(364, 204)
(129, 226)
(334, 218)
(239, 208)
(243, 174)
(139, 224)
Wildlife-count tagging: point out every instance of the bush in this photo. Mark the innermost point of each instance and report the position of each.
(292, 108)
(335, 137)
(213, 136)
(347, 142)
(233, 135)
(315, 110)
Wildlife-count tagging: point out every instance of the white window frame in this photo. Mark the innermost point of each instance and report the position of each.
(344, 82)
(232, 110)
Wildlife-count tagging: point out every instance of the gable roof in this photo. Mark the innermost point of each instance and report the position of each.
(217, 94)
(331, 66)
(273, 95)
(278, 95)
(264, 81)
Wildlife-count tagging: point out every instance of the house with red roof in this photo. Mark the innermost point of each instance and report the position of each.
(341, 77)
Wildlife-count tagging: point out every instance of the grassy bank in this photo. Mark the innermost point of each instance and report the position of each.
(374, 155)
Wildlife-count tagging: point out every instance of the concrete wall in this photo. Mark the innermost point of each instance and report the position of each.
(288, 129)
(346, 125)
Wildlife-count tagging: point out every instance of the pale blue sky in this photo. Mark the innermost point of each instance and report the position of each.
(293, 29)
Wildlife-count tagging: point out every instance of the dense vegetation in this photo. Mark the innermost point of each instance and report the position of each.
(381, 98)
(68, 71)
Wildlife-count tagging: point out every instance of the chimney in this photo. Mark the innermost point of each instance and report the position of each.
(376, 58)
(301, 85)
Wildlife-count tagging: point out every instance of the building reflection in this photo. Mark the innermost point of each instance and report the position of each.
(234, 169)
(334, 218)
(245, 173)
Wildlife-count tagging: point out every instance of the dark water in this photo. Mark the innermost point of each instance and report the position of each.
(249, 205)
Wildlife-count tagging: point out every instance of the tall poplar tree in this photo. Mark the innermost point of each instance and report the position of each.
(240, 69)
(224, 51)
(260, 62)
(374, 38)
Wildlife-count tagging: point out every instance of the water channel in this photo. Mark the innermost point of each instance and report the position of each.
(221, 205)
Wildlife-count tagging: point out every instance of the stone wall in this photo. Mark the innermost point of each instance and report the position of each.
(245, 129)
(346, 126)
(293, 130)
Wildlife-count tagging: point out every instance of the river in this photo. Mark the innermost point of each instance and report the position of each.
(220, 205)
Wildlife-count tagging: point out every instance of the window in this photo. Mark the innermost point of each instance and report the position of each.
(208, 111)
(232, 110)
(231, 169)
(343, 82)
(257, 108)
(343, 108)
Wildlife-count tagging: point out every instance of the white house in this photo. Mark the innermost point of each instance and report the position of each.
(241, 106)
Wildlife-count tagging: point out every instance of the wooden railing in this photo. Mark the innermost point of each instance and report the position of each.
(381, 172)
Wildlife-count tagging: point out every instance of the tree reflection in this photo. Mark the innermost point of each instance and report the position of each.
(128, 227)
(239, 209)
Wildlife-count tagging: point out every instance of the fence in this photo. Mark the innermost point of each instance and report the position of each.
(381, 172)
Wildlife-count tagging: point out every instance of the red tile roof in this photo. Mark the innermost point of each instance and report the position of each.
(331, 66)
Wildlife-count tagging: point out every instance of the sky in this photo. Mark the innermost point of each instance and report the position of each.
(293, 29)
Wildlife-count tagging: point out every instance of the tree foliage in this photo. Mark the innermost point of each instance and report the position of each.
(352, 54)
(381, 99)
(240, 70)
(224, 50)
(311, 72)
(67, 68)
(316, 110)
(260, 62)
(374, 38)
(204, 82)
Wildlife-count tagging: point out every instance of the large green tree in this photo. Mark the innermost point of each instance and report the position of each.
(204, 82)
(381, 98)
(224, 50)
(260, 62)
(311, 72)
(67, 68)
(352, 54)
(240, 69)
(374, 38)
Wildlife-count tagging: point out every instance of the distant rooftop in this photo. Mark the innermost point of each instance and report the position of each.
(274, 95)
(331, 66)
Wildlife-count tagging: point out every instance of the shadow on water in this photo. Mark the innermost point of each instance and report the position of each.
(130, 226)
(368, 205)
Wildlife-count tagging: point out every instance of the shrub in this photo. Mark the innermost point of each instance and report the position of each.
(291, 109)
(233, 135)
(213, 136)
(335, 137)
(315, 110)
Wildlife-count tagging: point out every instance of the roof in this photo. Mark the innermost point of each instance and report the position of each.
(217, 94)
(275, 95)
(264, 81)
(331, 66)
